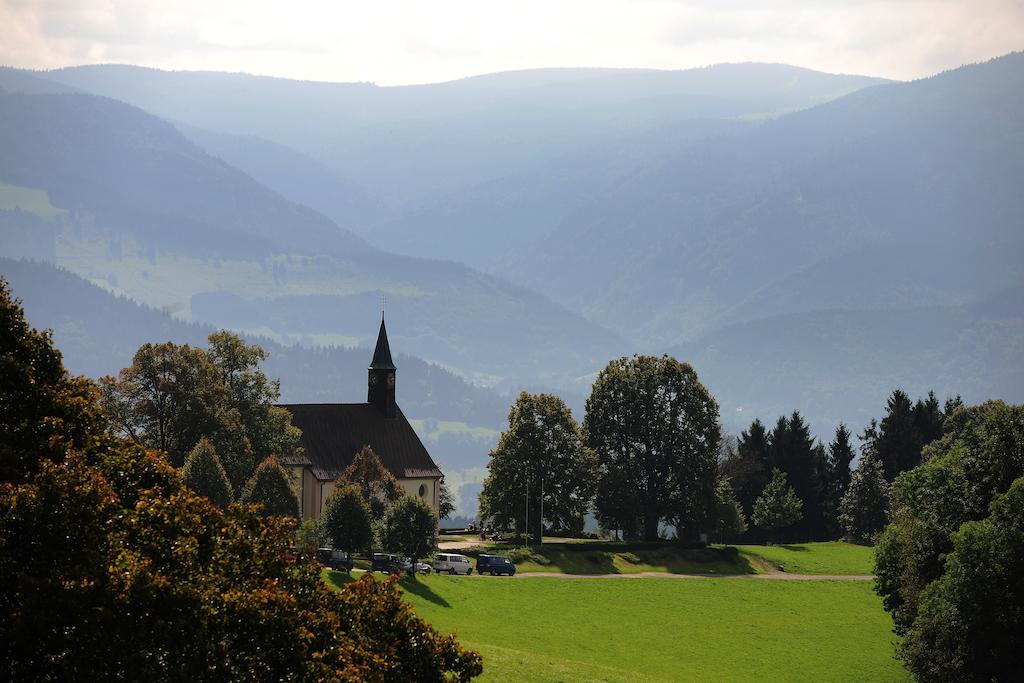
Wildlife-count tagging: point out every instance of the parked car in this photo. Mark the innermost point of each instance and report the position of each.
(335, 559)
(452, 564)
(400, 565)
(494, 565)
(422, 568)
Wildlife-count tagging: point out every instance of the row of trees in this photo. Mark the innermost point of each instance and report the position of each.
(650, 454)
(644, 457)
(112, 568)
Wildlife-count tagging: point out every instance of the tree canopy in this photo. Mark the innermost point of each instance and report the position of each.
(204, 474)
(778, 506)
(112, 568)
(375, 483)
(655, 430)
(409, 527)
(864, 509)
(345, 520)
(174, 395)
(542, 453)
(271, 487)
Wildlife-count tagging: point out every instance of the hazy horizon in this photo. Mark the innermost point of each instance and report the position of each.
(402, 43)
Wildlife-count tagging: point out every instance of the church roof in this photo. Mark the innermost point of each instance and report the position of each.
(382, 354)
(332, 434)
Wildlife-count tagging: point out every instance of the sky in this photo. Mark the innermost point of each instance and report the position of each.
(393, 42)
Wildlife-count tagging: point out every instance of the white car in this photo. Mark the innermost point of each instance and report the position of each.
(452, 564)
(422, 568)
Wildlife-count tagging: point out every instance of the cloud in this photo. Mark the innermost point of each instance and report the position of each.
(393, 41)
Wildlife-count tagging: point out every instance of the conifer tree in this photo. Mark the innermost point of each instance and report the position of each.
(729, 518)
(778, 506)
(840, 456)
(899, 441)
(863, 512)
(748, 469)
(271, 487)
(204, 474)
(792, 449)
(345, 520)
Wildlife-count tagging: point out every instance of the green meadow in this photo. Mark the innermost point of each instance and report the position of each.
(27, 199)
(664, 629)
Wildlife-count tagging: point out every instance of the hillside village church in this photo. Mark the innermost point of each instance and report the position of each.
(332, 434)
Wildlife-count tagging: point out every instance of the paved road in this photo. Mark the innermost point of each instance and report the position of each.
(774, 576)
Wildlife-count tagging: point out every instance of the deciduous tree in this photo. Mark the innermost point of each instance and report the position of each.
(375, 483)
(655, 430)
(729, 519)
(778, 506)
(541, 453)
(345, 520)
(409, 527)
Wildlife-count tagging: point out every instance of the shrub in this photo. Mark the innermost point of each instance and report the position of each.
(271, 488)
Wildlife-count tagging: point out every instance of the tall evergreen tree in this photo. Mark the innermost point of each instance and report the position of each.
(747, 469)
(271, 487)
(778, 506)
(204, 474)
(840, 457)
(792, 450)
(864, 509)
(899, 441)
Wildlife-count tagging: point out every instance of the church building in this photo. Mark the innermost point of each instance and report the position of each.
(332, 434)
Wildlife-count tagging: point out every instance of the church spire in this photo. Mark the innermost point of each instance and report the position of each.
(381, 377)
(382, 354)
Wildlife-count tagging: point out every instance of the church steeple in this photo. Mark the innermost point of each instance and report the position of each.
(381, 380)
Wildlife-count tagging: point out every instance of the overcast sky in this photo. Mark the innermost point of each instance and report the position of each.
(416, 41)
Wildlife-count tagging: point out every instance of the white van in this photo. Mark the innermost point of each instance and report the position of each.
(453, 564)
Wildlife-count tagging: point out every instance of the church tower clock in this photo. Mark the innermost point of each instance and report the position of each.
(381, 391)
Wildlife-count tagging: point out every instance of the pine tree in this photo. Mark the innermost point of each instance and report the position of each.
(345, 520)
(840, 455)
(271, 487)
(749, 472)
(863, 512)
(204, 474)
(778, 506)
(899, 441)
(729, 519)
(792, 450)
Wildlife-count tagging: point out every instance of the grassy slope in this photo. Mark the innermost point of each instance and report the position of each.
(815, 558)
(842, 559)
(27, 199)
(548, 629)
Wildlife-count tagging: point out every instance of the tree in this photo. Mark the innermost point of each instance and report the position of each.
(791, 448)
(44, 412)
(309, 537)
(542, 453)
(841, 455)
(970, 623)
(174, 395)
(864, 509)
(778, 506)
(410, 528)
(899, 441)
(377, 486)
(445, 501)
(271, 487)
(729, 519)
(748, 469)
(112, 568)
(976, 460)
(655, 430)
(345, 520)
(204, 474)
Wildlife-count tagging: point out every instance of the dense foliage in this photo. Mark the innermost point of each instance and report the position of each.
(778, 507)
(204, 474)
(730, 521)
(541, 467)
(927, 552)
(174, 395)
(377, 486)
(655, 430)
(864, 509)
(112, 569)
(345, 520)
(409, 527)
(271, 488)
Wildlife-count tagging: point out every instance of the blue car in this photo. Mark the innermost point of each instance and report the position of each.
(495, 565)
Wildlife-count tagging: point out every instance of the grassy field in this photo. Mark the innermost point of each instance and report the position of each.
(814, 558)
(27, 199)
(550, 629)
(841, 559)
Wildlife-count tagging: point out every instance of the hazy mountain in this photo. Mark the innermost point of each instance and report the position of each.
(779, 213)
(144, 211)
(841, 365)
(407, 145)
